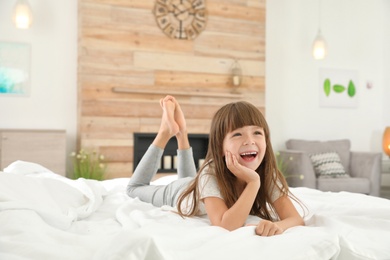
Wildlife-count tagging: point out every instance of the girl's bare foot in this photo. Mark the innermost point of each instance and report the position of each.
(168, 127)
(179, 118)
(168, 105)
(181, 135)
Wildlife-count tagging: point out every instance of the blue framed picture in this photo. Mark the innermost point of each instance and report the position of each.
(15, 68)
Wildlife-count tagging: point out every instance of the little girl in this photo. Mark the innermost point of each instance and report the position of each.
(239, 177)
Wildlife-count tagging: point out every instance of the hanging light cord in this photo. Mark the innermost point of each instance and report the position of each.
(319, 15)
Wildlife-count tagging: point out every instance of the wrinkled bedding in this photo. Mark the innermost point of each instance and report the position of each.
(46, 216)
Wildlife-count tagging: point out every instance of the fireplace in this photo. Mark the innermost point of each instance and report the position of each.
(198, 142)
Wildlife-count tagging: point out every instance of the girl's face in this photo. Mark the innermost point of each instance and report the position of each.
(248, 144)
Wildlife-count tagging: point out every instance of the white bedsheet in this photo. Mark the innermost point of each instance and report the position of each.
(46, 216)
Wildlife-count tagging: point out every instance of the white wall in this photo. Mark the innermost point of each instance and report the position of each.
(386, 96)
(355, 33)
(52, 103)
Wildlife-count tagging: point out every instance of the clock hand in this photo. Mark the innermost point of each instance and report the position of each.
(174, 6)
(180, 11)
(183, 11)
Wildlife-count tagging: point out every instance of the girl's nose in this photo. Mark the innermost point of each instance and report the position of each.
(249, 141)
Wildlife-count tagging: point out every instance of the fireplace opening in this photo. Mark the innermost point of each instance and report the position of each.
(168, 164)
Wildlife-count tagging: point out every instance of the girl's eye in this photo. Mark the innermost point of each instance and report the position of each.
(236, 134)
(259, 133)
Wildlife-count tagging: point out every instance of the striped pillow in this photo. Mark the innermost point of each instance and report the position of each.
(328, 165)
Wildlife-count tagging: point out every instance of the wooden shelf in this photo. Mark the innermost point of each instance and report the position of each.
(177, 93)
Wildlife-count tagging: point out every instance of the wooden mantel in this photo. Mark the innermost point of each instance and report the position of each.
(178, 93)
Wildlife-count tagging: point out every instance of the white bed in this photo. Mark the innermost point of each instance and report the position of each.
(46, 216)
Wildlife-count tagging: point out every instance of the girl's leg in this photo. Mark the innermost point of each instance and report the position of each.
(186, 165)
(148, 166)
(139, 184)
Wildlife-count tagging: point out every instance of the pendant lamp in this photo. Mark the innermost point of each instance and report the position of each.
(22, 14)
(319, 44)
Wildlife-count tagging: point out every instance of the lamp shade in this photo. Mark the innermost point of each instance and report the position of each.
(22, 14)
(319, 47)
(236, 74)
(386, 141)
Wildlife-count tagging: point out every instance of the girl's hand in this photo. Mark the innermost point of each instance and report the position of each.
(240, 171)
(268, 228)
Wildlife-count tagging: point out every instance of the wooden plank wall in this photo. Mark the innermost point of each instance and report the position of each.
(121, 46)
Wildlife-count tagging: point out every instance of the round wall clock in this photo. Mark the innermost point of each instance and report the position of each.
(181, 19)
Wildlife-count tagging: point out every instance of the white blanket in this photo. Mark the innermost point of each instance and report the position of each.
(46, 216)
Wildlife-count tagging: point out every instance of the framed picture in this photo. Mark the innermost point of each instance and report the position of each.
(338, 88)
(14, 68)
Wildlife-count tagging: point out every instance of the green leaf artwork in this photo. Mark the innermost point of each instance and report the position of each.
(338, 88)
(351, 89)
(327, 87)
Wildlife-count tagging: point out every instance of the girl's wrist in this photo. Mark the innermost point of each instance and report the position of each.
(254, 179)
(254, 183)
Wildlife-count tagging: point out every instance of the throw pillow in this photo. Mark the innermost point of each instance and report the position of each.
(328, 165)
(341, 147)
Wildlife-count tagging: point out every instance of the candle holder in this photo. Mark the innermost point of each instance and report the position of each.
(236, 75)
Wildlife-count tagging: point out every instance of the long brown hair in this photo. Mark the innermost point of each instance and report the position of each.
(226, 119)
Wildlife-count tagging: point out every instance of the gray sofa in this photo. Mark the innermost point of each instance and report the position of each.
(363, 168)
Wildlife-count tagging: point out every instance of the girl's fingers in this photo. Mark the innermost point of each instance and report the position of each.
(231, 162)
(231, 159)
(234, 159)
(267, 228)
(235, 167)
(259, 229)
(227, 158)
(266, 231)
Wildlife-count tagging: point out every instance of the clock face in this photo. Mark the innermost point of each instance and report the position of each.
(181, 19)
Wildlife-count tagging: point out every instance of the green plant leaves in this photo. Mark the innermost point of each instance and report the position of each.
(351, 89)
(327, 87)
(338, 88)
(88, 165)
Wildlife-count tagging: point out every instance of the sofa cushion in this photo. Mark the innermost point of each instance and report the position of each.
(328, 165)
(342, 147)
(359, 185)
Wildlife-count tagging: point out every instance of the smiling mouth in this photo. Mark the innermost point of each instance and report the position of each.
(248, 155)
